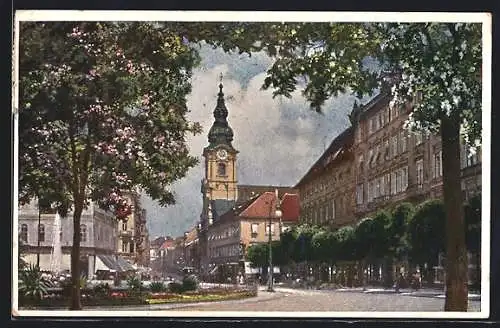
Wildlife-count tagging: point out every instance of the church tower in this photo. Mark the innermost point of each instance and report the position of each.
(220, 181)
(219, 186)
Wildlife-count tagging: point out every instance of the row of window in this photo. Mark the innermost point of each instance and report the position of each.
(388, 184)
(254, 229)
(224, 251)
(128, 247)
(41, 233)
(389, 148)
(397, 181)
(326, 210)
(225, 233)
(325, 184)
(382, 118)
(469, 158)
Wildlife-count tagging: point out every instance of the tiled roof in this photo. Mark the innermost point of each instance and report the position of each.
(378, 98)
(157, 242)
(290, 208)
(261, 207)
(339, 146)
(168, 244)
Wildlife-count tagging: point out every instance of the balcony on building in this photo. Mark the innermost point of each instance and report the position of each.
(126, 233)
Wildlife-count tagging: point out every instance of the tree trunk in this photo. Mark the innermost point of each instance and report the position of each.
(478, 270)
(75, 258)
(388, 271)
(361, 273)
(456, 253)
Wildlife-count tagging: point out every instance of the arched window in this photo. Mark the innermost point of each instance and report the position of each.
(41, 232)
(24, 233)
(83, 233)
(221, 169)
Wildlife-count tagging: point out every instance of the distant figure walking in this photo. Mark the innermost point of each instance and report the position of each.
(417, 280)
(399, 281)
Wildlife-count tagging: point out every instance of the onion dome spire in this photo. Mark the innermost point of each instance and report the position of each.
(220, 132)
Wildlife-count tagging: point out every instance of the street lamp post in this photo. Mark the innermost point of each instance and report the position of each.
(38, 236)
(277, 214)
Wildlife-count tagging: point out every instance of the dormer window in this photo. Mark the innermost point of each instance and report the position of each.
(221, 169)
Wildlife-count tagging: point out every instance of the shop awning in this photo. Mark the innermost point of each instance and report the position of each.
(112, 263)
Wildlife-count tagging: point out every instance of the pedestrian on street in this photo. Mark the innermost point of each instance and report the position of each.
(399, 281)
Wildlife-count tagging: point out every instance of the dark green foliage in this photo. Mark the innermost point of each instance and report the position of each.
(102, 290)
(31, 284)
(346, 237)
(258, 255)
(157, 287)
(134, 283)
(427, 232)
(175, 287)
(325, 245)
(398, 230)
(189, 283)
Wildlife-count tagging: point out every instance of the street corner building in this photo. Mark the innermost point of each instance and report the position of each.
(108, 246)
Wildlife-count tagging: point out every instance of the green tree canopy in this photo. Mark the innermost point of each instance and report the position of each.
(304, 247)
(346, 237)
(398, 229)
(288, 244)
(427, 232)
(325, 246)
(258, 255)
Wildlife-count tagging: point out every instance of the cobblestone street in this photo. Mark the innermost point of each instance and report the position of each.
(289, 300)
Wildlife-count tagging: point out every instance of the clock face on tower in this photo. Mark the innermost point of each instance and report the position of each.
(222, 154)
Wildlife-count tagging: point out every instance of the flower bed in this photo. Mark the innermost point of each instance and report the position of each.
(200, 297)
(119, 298)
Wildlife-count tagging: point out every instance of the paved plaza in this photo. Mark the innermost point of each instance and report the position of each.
(291, 300)
(297, 300)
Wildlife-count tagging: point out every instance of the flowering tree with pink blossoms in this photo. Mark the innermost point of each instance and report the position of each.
(102, 110)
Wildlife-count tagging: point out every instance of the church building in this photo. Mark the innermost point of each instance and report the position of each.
(224, 200)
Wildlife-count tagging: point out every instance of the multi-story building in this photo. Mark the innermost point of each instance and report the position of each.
(154, 251)
(376, 164)
(249, 223)
(392, 165)
(174, 259)
(98, 239)
(191, 248)
(327, 189)
(133, 234)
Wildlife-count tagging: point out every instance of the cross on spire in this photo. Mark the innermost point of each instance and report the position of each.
(220, 85)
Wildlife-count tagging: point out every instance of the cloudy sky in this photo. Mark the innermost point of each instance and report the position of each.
(278, 139)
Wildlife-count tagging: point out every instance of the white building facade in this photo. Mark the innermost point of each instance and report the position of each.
(98, 236)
